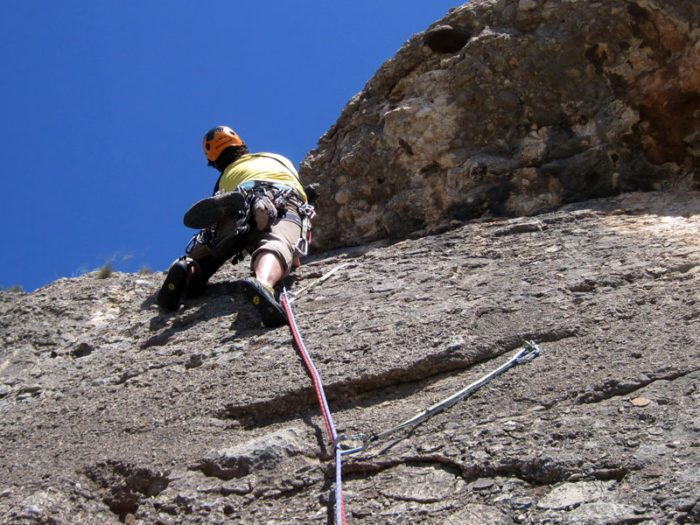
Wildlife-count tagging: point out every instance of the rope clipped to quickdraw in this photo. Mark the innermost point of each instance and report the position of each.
(320, 393)
(524, 355)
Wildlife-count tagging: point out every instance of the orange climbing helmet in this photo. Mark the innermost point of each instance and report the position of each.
(217, 140)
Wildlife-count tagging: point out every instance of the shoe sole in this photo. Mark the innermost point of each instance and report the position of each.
(173, 288)
(208, 211)
(271, 316)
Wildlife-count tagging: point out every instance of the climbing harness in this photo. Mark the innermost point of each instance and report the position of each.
(275, 197)
(524, 355)
(279, 196)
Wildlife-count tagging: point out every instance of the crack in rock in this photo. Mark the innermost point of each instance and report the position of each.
(620, 387)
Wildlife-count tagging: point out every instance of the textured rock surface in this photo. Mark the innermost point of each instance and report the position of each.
(114, 411)
(509, 107)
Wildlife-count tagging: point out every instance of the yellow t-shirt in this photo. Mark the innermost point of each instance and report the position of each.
(267, 167)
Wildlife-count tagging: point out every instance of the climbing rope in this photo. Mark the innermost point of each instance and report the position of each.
(524, 355)
(320, 393)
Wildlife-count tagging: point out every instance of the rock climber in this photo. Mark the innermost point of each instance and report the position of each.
(259, 206)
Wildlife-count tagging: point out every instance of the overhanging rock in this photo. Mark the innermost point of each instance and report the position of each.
(510, 107)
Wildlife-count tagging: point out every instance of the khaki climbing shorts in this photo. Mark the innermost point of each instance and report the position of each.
(281, 240)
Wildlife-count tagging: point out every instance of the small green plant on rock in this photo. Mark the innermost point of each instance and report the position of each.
(105, 271)
(13, 289)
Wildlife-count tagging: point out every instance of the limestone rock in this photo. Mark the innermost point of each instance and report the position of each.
(510, 107)
(130, 432)
(603, 512)
(259, 454)
(114, 411)
(420, 484)
(571, 495)
(476, 514)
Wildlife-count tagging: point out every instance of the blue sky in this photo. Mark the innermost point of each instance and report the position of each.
(104, 104)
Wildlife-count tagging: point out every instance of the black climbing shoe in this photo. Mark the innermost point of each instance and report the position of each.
(206, 212)
(174, 286)
(263, 298)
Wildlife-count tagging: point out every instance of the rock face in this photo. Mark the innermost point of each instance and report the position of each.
(115, 412)
(510, 107)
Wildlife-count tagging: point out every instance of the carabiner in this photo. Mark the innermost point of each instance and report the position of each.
(302, 246)
(528, 353)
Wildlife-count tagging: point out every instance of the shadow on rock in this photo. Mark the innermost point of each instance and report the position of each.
(217, 300)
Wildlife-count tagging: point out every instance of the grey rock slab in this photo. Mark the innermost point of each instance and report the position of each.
(405, 325)
(602, 512)
(419, 484)
(477, 514)
(569, 495)
(263, 453)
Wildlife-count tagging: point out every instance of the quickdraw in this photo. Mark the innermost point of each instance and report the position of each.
(307, 213)
(526, 354)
